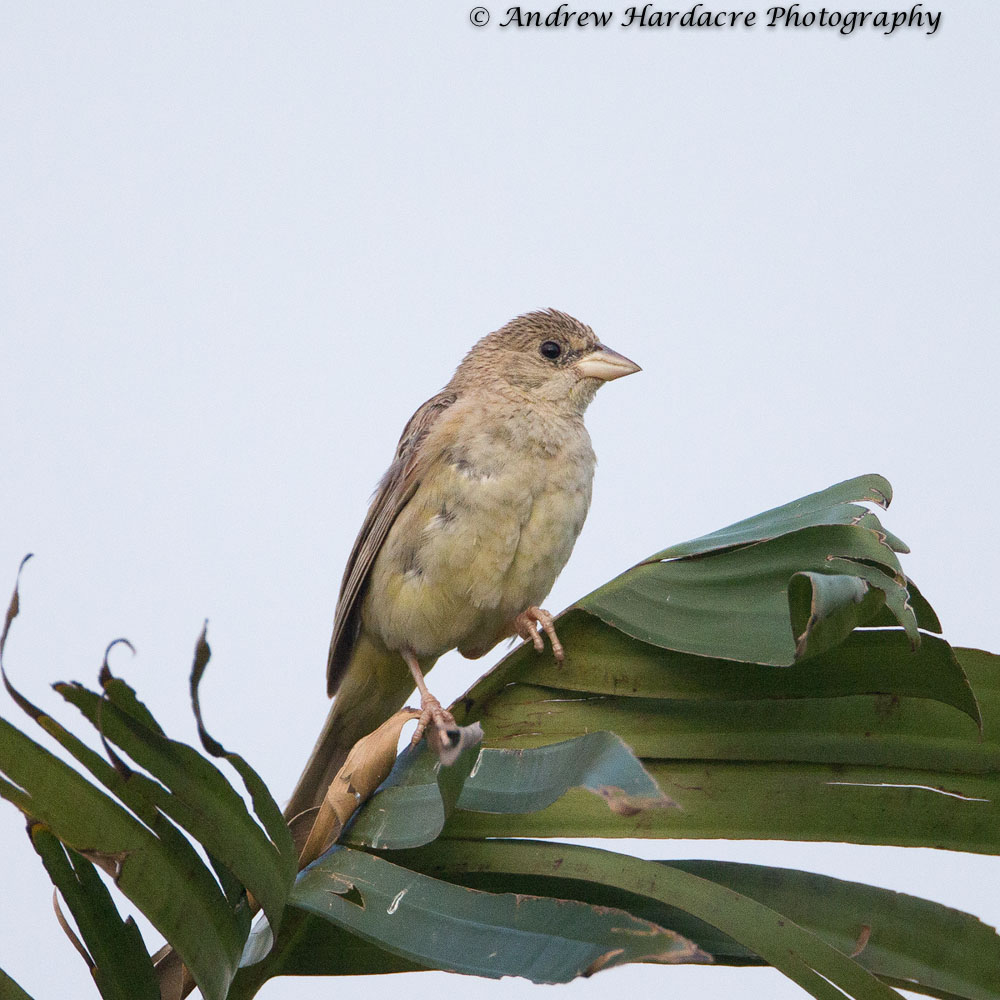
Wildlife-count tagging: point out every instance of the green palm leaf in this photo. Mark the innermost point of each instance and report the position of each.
(774, 679)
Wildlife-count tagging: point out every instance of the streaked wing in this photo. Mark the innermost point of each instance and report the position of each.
(394, 491)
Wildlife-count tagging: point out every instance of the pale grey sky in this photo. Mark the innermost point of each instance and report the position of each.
(242, 242)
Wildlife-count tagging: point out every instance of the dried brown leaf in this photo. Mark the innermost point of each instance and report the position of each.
(367, 766)
(69, 932)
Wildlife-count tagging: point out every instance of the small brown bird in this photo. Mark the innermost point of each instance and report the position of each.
(468, 530)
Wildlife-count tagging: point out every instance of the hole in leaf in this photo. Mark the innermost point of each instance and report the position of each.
(353, 896)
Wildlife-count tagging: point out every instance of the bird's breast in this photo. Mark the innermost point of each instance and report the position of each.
(487, 530)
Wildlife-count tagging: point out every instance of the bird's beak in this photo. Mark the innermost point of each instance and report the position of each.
(605, 364)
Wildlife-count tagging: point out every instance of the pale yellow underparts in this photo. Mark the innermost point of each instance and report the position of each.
(487, 532)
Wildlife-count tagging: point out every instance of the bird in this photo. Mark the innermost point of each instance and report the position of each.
(467, 531)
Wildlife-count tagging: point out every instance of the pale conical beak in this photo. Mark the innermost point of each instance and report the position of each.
(606, 365)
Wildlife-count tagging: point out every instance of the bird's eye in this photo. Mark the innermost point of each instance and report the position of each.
(551, 350)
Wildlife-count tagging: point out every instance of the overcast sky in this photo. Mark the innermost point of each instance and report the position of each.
(242, 242)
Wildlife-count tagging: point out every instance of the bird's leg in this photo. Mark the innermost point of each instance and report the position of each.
(526, 626)
(446, 731)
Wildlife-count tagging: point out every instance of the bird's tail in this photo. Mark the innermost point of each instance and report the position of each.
(375, 685)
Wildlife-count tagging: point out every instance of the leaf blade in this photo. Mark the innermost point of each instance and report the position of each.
(791, 949)
(122, 967)
(441, 925)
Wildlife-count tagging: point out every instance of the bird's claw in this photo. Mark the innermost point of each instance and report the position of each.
(526, 625)
(445, 735)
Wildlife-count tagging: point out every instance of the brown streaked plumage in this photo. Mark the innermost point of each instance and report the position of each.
(468, 529)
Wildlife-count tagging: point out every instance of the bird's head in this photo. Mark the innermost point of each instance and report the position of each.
(545, 355)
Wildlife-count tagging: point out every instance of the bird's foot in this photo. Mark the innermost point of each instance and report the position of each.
(444, 736)
(526, 626)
